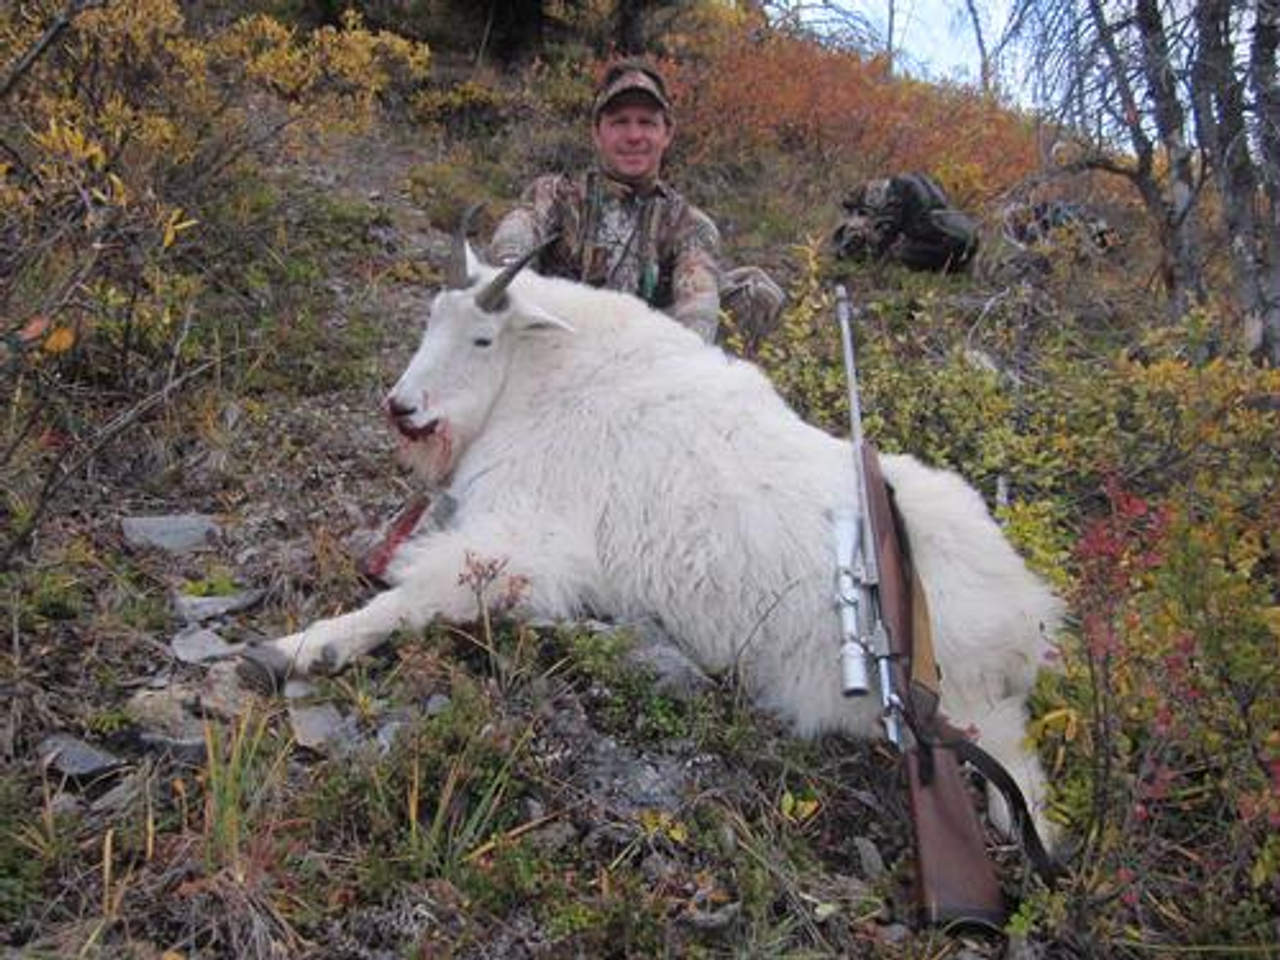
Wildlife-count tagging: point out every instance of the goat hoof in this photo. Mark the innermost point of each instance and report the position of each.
(329, 661)
(263, 668)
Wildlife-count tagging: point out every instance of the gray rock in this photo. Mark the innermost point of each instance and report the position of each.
(654, 650)
(659, 869)
(296, 688)
(1020, 948)
(727, 841)
(554, 837)
(873, 867)
(188, 752)
(199, 645)
(224, 694)
(390, 728)
(718, 919)
(609, 837)
(315, 725)
(164, 713)
(531, 808)
(198, 609)
(896, 933)
(176, 533)
(63, 804)
(674, 673)
(436, 704)
(71, 757)
(120, 797)
(631, 781)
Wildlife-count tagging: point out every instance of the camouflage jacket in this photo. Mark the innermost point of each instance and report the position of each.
(873, 220)
(654, 244)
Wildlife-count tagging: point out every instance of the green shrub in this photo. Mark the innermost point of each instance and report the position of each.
(1144, 485)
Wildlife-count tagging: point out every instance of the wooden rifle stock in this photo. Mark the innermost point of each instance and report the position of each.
(955, 879)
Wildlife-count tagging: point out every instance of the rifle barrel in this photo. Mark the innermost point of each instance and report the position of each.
(870, 572)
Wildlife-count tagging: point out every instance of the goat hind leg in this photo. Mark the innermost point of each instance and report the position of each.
(1002, 733)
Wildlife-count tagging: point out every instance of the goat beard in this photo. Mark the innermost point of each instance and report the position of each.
(431, 458)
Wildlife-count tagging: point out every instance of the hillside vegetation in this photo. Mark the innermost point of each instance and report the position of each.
(218, 233)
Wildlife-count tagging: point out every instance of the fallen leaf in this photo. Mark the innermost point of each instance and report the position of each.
(60, 341)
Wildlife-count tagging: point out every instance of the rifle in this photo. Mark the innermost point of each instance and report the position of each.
(884, 630)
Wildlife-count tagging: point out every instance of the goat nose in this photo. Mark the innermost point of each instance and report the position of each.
(397, 410)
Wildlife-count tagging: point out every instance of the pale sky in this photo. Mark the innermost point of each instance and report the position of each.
(937, 33)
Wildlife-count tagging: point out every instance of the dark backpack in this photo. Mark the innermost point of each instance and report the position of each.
(939, 237)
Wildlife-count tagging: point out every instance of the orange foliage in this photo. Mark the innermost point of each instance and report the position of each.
(789, 94)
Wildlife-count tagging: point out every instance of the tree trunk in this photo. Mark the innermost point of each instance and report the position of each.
(892, 18)
(514, 29)
(984, 58)
(1217, 96)
(1142, 173)
(1265, 85)
(628, 34)
(1182, 241)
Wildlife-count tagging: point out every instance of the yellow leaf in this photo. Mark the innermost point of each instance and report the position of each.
(60, 341)
(1066, 716)
(796, 810)
(1271, 617)
(174, 226)
(806, 809)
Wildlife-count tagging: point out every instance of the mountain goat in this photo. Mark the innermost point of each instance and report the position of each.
(627, 469)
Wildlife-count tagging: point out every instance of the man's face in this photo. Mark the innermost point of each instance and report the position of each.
(631, 135)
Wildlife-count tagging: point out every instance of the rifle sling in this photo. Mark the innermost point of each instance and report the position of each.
(903, 594)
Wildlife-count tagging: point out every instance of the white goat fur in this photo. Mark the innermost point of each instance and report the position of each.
(628, 469)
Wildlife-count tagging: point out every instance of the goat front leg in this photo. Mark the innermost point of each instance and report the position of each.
(327, 646)
(430, 582)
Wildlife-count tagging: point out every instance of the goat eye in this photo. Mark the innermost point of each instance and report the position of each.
(482, 342)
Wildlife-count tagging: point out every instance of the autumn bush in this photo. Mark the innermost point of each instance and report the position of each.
(1143, 484)
(121, 137)
(132, 213)
(1165, 730)
(773, 92)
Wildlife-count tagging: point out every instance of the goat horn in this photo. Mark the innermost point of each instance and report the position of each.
(457, 276)
(490, 298)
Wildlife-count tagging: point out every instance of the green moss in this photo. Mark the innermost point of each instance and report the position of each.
(627, 921)
(21, 873)
(218, 582)
(623, 696)
(57, 595)
(513, 875)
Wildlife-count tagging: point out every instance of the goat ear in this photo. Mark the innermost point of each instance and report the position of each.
(529, 317)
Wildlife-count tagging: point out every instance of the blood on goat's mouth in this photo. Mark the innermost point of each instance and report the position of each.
(410, 432)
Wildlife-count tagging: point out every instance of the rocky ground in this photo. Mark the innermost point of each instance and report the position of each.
(629, 818)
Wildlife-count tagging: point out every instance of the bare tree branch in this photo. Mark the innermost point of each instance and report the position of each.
(28, 59)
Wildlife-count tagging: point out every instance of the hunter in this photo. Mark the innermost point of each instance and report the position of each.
(621, 226)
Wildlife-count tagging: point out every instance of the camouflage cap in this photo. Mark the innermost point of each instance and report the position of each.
(628, 76)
